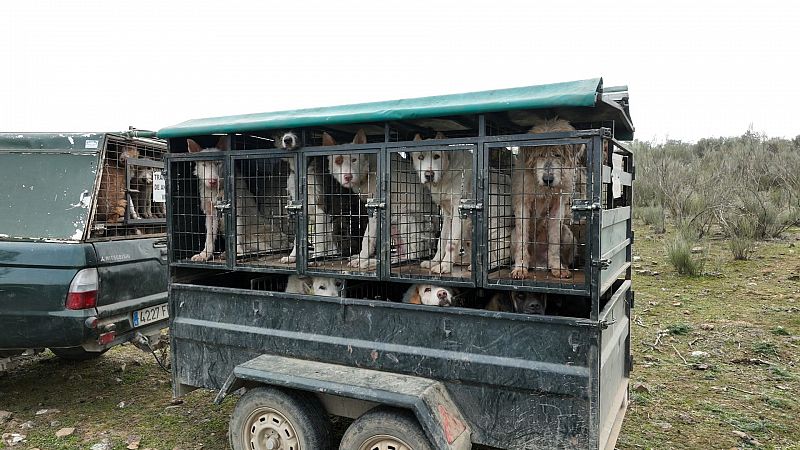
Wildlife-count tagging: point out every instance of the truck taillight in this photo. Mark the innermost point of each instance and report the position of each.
(83, 290)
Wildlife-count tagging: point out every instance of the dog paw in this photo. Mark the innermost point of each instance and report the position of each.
(519, 273)
(426, 264)
(202, 256)
(288, 259)
(561, 273)
(441, 268)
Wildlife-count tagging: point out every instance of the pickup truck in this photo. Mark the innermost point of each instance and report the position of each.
(74, 277)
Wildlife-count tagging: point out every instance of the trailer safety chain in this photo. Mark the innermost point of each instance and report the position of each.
(144, 342)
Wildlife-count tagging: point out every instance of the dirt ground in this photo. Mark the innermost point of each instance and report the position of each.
(716, 366)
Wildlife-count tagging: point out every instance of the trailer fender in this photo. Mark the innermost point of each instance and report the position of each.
(427, 399)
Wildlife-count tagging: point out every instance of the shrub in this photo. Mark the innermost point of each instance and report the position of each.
(679, 254)
(653, 216)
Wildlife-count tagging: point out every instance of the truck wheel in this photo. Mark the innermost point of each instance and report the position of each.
(266, 418)
(385, 429)
(76, 353)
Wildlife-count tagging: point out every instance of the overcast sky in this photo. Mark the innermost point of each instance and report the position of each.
(695, 69)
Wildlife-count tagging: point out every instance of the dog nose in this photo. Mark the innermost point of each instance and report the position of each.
(212, 182)
(429, 175)
(548, 179)
(287, 141)
(348, 178)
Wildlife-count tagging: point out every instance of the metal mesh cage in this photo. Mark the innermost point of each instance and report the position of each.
(130, 196)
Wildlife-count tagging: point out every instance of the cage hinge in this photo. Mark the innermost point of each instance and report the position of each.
(468, 206)
(581, 208)
(222, 206)
(293, 208)
(604, 263)
(372, 204)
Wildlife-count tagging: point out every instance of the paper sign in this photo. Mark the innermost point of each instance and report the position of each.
(159, 188)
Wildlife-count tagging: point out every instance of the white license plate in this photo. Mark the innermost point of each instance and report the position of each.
(150, 315)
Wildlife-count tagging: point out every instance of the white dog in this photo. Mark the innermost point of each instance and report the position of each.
(253, 232)
(322, 286)
(410, 236)
(448, 175)
(320, 229)
(428, 294)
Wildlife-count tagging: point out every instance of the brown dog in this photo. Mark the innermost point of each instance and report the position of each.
(518, 302)
(541, 192)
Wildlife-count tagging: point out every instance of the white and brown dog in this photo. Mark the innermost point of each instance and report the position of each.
(542, 190)
(428, 294)
(320, 229)
(409, 234)
(253, 232)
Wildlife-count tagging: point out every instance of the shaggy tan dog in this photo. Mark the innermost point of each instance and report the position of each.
(541, 192)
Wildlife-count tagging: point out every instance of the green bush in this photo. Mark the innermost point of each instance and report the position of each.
(679, 254)
(653, 216)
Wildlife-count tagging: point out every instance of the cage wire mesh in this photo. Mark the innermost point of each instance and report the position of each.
(263, 224)
(343, 222)
(432, 236)
(127, 203)
(197, 196)
(546, 244)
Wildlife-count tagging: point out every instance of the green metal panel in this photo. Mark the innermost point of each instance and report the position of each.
(583, 93)
(47, 184)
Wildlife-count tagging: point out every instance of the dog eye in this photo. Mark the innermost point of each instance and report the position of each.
(427, 289)
(353, 160)
(421, 157)
(437, 156)
(338, 284)
(322, 287)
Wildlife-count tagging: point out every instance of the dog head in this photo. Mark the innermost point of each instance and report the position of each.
(430, 166)
(325, 287)
(553, 165)
(210, 172)
(348, 170)
(428, 294)
(529, 302)
(287, 141)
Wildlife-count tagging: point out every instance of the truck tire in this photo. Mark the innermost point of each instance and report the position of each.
(76, 353)
(385, 428)
(267, 418)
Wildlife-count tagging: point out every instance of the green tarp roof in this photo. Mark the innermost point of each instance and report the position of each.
(583, 93)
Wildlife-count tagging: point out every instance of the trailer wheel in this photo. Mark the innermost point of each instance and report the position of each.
(266, 418)
(385, 429)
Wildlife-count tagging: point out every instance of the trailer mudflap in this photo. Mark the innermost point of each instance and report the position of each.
(428, 399)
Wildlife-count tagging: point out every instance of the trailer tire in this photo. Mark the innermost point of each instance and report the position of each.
(382, 428)
(76, 353)
(266, 418)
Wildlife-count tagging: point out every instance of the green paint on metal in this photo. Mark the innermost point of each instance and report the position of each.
(583, 93)
(47, 184)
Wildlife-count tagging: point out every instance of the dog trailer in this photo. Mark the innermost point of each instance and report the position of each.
(510, 210)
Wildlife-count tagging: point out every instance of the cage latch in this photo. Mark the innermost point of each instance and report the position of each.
(581, 208)
(222, 206)
(603, 264)
(372, 204)
(468, 206)
(293, 208)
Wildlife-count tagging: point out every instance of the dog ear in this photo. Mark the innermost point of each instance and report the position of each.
(440, 135)
(361, 137)
(224, 143)
(417, 137)
(412, 296)
(327, 139)
(194, 147)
